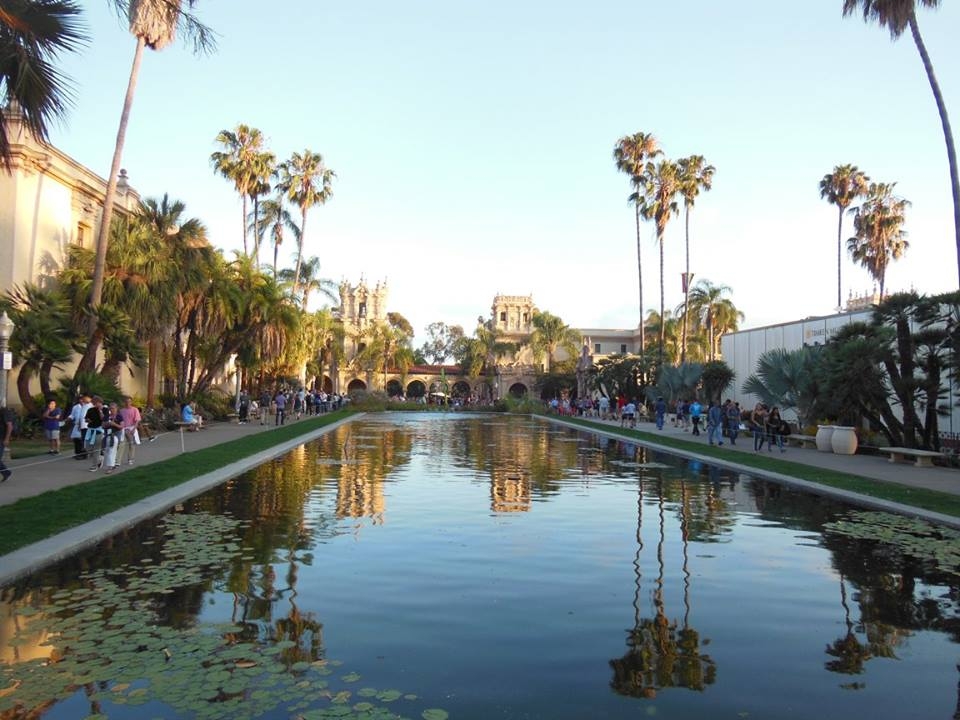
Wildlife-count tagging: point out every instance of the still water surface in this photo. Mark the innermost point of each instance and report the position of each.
(485, 567)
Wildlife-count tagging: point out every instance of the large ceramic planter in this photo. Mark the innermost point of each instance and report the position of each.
(844, 440)
(824, 438)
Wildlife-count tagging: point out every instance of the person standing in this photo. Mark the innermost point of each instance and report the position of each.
(112, 435)
(775, 430)
(7, 416)
(714, 423)
(695, 409)
(280, 401)
(243, 408)
(130, 423)
(51, 426)
(264, 406)
(78, 429)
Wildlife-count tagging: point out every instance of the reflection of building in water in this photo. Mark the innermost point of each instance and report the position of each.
(509, 490)
(359, 495)
(29, 646)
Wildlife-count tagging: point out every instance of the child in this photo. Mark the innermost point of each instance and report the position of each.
(51, 426)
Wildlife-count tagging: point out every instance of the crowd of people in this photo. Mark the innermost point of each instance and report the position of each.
(277, 404)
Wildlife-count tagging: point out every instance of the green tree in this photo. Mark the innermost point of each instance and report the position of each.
(33, 34)
(880, 237)
(695, 175)
(788, 379)
(275, 219)
(660, 184)
(310, 282)
(441, 340)
(244, 162)
(306, 182)
(154, 24)
(897, 16)
(716, 313)
(841, 187)
(631, 154)
(550, 334)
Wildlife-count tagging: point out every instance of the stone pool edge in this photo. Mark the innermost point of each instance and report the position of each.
(31, 558)
(826, 490)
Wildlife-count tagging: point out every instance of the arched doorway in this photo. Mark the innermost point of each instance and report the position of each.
(356, 385)
(461, 389)
(518, 390)
(394, 388)
(416, 389)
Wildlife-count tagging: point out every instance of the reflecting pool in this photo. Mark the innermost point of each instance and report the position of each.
(479, 566)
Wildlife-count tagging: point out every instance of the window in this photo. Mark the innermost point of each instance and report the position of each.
(361, 347)
(596, 348)
(362, 312)
(80, 234)
(623, 349)
(503, 316)
(525, 320)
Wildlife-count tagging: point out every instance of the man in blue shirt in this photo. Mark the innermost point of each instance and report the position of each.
(714, 424)
(695, 409)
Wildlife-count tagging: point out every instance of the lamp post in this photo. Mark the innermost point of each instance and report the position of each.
(6, 358)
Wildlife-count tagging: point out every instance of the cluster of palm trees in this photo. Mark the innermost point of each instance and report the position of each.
(657, 184)
(302, 180)
(166, 289)
(879, 237)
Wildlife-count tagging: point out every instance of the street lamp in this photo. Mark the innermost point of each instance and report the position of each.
(6, 358)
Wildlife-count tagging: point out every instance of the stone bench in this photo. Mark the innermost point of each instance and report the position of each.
(801, 441)
(924, 458)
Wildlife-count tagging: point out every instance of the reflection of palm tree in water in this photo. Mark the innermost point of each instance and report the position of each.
(851, 655)
(659, 655)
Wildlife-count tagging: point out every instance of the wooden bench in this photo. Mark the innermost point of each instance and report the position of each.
(924, 458)
(801, 441)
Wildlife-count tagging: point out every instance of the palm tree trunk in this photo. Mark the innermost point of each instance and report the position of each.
(663, 322)
(640, 279)
(153, 354)
(256, 231)
(88, 360)
(686, 287)
(945, 122)
(839, 256)
(303, 234)
(243, 209)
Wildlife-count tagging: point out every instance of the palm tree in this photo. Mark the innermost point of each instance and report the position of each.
(275, 219)
(660, 184)
(33, 33)
(306, 182)
(264, 169)
(695, 175)
(549, 334)
(631, 154)
(154, 23)
(310, 281)
(715, 313)
(841, 187)
(897, 16)
(243, 161)
(880, 236)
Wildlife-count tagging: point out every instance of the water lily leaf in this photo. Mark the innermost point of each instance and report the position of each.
(434, 714)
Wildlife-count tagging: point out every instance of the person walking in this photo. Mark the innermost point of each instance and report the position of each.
(660, 409)
(130, 423)
(95, 417)
(714, 423)
(733, 420)
(265, 400)
(775, 430)
(7, 415)
(112, 436)
(78, 426)
(243, 408)
(758, 423)
(280, 401)
(51, 426)
(695, 409)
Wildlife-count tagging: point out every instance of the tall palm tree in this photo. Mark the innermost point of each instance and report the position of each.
(154, 23)
(274, 218)
(631, 154)
(242, 161)
(897, 16)
(880, 237)
(660, 184)
(306, 182)
(33, 33)
(841, 187)
(264, 169)
(549, 334)
(695, 175)
(310, 281)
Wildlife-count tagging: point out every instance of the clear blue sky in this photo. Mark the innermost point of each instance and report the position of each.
(472, 142)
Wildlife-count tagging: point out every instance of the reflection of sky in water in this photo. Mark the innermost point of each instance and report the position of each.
(504, 584)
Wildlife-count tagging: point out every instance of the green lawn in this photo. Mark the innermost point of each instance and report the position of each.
(917, 497)
(36, 518)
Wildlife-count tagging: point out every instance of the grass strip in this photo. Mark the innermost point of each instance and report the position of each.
(36, 518)
(934, 500)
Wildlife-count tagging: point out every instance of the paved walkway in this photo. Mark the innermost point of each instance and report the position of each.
(36, 475)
